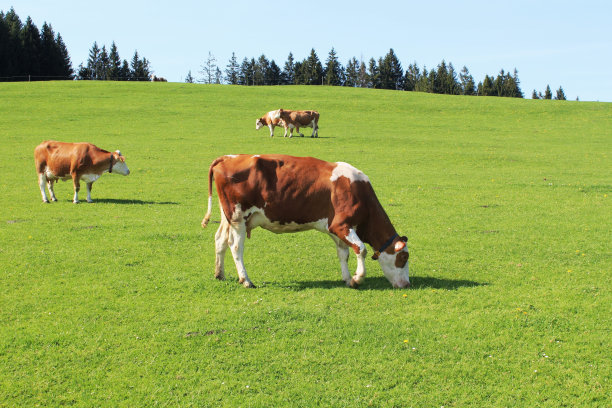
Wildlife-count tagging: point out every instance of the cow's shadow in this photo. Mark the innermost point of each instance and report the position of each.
(133, 202)
(381, 283)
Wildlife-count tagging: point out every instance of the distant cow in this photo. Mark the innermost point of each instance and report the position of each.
(297, 119)
(271, 120)
(79, 161)
(288, 194)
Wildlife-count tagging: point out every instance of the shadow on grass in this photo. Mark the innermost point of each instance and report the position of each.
(381, 283)
(137, 202)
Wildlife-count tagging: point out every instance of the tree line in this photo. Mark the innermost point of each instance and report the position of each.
(384, 73)
(103, 65)
(29, 53)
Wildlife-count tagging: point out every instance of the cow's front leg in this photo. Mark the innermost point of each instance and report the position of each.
(271, 130)
(221, 238)
(349, 237)
(77, 187)
(290, 132)
(237, 236)
(42, 180)
(89, 185)
(50, 188)
(343, 253)
(297, 129)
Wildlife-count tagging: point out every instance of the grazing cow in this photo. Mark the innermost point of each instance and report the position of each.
(79, 161)
(288, 194)
(271, 120)
(297, 119)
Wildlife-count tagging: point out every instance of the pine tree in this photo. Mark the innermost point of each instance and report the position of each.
(232, 71)
(362, 76)
(547, 93)
(189, 78)
(518, 93)
(352, 73)
(246, 73)
(140, 70)
(288, 73)
(260, 74)
(560, 94)
(534, 95)
(373, 74)
(334, 74)
(412, 77)
(467, 82)
(30, 42)
(274, 74)
(312, 69)
(391, 72)
(114, 63)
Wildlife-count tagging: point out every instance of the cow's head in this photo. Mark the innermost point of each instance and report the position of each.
(119, 165)
(394, 263)
(258, 124)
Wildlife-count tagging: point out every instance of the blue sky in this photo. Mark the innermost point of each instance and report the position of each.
(560, 43)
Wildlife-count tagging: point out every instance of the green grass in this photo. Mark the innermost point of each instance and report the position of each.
(507, 205)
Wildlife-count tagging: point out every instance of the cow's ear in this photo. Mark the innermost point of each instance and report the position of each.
(405, 239)
(399, 245)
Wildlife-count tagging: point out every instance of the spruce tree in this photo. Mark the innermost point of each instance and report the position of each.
(288, 73)
(189, 78)
(547, 93)
(31, 45)
(391, 72)
(260, 74)
(246, 73)
(412, 77)
(114, 63)
(534, 95)
(232, 70)
(274, 74)
(560, 94)
(352, 73)
(334, 74)
(467, 82)
(362, 76)
(208, 69)
(373, 75)
(313, 69)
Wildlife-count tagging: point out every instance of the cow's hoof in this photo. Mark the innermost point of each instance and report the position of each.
(247, 283)
(90, 201)
(53, 199)
(220, 276)
(76, 202)
(353, 284)
(45, 201)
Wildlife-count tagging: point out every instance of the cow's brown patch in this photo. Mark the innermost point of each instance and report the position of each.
(401, 259)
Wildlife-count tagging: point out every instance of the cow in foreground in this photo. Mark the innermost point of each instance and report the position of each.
(271, 120)
(297, 119)
(288, 194)
(79, 161)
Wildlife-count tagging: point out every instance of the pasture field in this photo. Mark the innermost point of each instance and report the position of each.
(507, 205)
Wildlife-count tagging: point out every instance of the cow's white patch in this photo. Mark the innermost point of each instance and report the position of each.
(90, 178)
(346, 170)
(354, 239)
(256, 217)
(258, 124)
(231, 156)
(256, 155)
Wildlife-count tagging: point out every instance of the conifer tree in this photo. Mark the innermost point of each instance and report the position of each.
(189, 78)
(547, 93)
(560, 94)
(312, 69)
(246, 73)
(352, 73)
(362, 76)
(232, 70)
(534, 95)
(288, 73)
(208, 69)
(467, 82)
(273, 75)
(373, 74)
(412, 77)
(334, 74)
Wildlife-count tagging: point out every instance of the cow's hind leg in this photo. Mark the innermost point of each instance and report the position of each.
(89, 185)
(42, 180)
(221, 245)
(50, 188)
(349, 237)
(237, 236)
(343, 253)
(77, 187)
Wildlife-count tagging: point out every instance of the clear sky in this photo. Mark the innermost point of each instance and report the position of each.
(560, 43)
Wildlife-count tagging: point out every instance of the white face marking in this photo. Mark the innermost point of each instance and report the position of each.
(258, 124)
(121, 168)
(398, 277)
(354, 239)
(346, 170)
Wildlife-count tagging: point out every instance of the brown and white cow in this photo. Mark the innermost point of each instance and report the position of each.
(271, 120)
(297, 119)
(288, 194)
(79, 161)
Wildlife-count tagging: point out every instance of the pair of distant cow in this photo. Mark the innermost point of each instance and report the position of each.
(279, 193)
(290, 119)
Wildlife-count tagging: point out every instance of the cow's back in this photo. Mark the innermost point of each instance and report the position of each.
(287, 189)
(61, 157)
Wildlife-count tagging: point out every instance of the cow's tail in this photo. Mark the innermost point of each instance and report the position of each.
(210, 181)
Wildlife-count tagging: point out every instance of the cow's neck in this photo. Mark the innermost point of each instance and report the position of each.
(377, 230)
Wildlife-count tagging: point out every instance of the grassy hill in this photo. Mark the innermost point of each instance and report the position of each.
(507, 205)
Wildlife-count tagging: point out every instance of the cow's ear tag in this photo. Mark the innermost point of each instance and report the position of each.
(399, 245)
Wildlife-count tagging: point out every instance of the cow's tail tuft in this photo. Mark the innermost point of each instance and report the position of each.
(210, 180)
